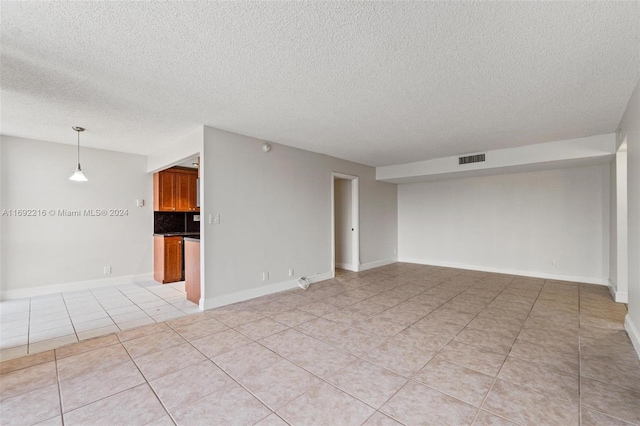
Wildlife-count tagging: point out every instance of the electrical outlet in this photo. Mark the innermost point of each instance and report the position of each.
(553, 263)
(196, 218)
(107, 270)
(265, 276)
(291, 272)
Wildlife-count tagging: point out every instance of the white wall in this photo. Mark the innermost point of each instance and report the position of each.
(630, 129)
(171, 154)
(342, 205)
(516, 223)
(275, 214)
(618, 246)
(39, 253)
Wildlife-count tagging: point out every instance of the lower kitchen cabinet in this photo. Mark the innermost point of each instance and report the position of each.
(167, 259)
(192, 269)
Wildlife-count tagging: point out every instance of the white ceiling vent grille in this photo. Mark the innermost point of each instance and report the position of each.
(471, 159)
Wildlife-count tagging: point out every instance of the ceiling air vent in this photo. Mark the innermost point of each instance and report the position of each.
(471, 159)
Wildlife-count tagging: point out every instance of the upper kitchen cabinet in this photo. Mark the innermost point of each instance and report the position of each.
(175, 190)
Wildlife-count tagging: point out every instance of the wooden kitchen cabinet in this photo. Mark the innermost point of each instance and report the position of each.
(175, 190)
(186, 190)
(167, 259)
(192, 269)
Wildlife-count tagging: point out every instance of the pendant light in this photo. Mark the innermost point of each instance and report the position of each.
(78, 176)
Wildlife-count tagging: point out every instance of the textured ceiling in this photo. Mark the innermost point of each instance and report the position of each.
(379, 83)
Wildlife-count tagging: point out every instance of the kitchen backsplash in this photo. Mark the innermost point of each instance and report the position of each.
(174, 222)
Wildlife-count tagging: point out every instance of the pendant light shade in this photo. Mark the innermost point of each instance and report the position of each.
(78, 175)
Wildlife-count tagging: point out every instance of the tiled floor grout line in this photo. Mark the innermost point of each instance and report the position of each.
(465, 327)
(495, 379)
(147, 381)
(55, 359)
(109, 315)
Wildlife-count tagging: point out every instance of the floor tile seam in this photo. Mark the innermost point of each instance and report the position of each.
(545, 364)
(172, 327)
(59, 388)
(495, 379)
(607, 415)
(612, 385)
(149, 384)
(545, 346)
(487, 409)
(526, 386)
(65, 413)
(249, 337)
(84, 352)
(238, 383)
(412, 379)
(612, 360)
(150, 334)
(330, 384)
(72, 326)
(158, 350)
(136, 304)
(96, 370)
(616, 384)
(383, 414)
(28, 391)
(412, 376)
(25, 367)
(453, 338)
(448, 394)
(359, 359)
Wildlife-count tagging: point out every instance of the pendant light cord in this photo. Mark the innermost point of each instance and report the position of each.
(78, 131)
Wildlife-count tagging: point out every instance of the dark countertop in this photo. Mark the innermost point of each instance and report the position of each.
(195, 239)
(178, 234)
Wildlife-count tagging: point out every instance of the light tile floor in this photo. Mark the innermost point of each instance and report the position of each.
(37, 324)
(402, 344)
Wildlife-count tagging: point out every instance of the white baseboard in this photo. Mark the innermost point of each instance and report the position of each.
(320, 277)
(633, 332)
(618, 296)
(346, 266)
(20, 293)
(377, 264)
(533, 274)
(252, 293)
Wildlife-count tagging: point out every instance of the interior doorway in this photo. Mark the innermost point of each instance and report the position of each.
(345, 221)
